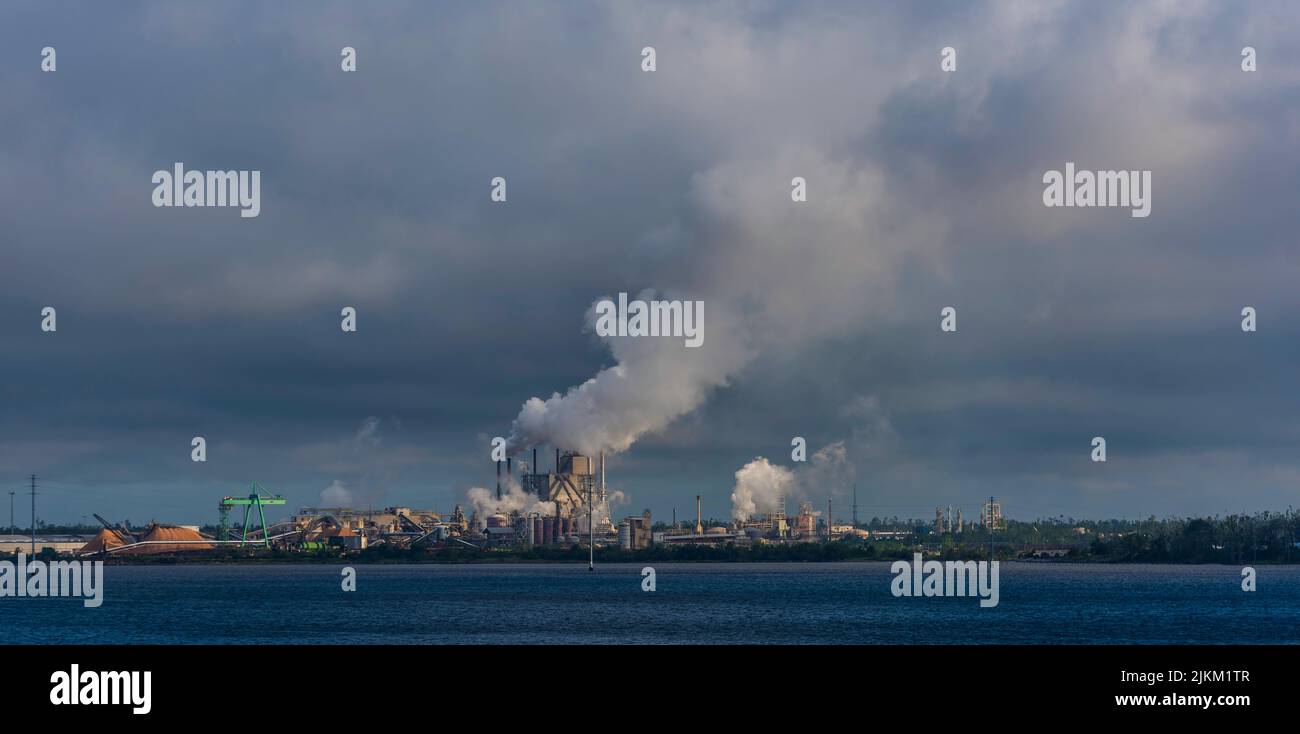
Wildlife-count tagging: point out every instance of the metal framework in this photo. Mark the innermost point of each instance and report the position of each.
(255, 499)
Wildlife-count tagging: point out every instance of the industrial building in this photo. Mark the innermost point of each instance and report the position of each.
(389, 520)
(61, 544)
(777, 526)
(634, 533)
(945, 521)
(558, 508)
(991, 514)
(575, 488)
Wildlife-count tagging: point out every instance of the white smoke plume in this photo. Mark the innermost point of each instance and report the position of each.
(763, 487)
(513, 499)
(762, 294)
(655, 381)
(336, 495)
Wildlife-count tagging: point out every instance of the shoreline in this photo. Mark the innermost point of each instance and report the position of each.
(357, 561)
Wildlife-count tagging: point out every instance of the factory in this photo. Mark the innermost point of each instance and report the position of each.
(563, 506)
(567, 505)
(60, 544)
(573, 487)
(388, 521)
(776, 526)
(635, 533)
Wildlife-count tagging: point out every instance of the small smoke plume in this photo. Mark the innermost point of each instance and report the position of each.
(336, 495)
(374, 461)
(829, 473)
(761, 487)
(513, 499)
(655, 381)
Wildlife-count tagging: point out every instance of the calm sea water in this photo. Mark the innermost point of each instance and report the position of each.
(694, 603)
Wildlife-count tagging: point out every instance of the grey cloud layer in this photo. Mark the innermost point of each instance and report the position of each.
(924, 192)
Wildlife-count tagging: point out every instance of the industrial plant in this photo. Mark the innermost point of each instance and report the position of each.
(566, 506)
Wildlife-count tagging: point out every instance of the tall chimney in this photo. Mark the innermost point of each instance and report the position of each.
(602, 475)
(498, 480)
(510, 470)
(699, 524)
(557, 461)
(536, 469)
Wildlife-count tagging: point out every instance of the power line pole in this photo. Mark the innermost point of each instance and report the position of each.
(33, 516)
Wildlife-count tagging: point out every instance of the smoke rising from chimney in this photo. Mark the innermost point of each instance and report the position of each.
(655, 381)
(770, 282)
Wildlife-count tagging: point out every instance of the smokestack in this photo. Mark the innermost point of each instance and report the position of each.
(510, 470)
(602, 475)
(699, 524)
(536, 469)
(557, 461)
(498, 480)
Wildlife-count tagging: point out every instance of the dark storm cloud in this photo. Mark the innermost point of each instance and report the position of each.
(925, 191)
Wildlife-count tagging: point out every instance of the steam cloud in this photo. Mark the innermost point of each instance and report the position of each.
(655, 380)
(336, 495)
(513, 499)
(770, 282)
(762, 487)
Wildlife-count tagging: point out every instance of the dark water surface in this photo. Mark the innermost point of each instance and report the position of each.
(694, 603)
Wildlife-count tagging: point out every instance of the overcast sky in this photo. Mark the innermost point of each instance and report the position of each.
(924, 191)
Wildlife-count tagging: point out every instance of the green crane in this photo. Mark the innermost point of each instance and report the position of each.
(255, 498)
